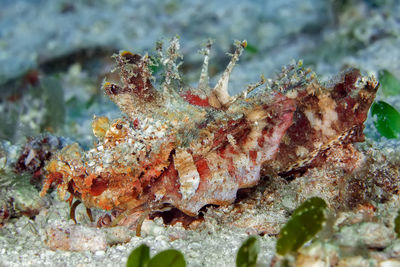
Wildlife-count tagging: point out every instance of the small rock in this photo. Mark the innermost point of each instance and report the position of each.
(373, 235)
(120, 248)
(356, 261)
(317, 254)
(117, 235)
(100, 253)
(389, 263)
(151, 228)
(162, 242)
(50, 253)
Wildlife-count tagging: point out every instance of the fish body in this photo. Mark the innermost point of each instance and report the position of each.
(190, 147)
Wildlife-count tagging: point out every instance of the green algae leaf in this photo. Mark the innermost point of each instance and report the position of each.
(93, 99)
(248, 253)
(397, 225)
(139, 257)
(168, 258)
(306, 221)
(386, 119)
(389, 83)
(251, 49)
(155, 65)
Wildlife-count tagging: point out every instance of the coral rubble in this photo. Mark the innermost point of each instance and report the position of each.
(189, 147)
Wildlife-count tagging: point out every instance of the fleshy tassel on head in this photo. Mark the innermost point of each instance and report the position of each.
(221, 97)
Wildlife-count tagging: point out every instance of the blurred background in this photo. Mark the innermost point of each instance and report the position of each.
(54, 54)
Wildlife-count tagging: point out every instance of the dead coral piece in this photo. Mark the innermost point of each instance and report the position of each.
(190, 147)
(79, 238)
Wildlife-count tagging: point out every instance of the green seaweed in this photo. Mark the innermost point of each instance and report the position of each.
(140, 257)
(155, 65)
(248, 253)
(168, 258)
(306, 221)
(251, 49)
(397, 225)
(389, 83)
(386, 119)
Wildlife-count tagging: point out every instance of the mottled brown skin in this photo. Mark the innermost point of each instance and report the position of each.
(352, 105)
(188, 151)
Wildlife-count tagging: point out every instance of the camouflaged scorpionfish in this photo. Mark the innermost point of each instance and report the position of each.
(187, 148)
